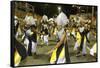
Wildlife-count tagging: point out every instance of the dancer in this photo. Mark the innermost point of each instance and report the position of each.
(60, 53)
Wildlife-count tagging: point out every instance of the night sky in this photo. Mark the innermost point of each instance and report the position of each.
(52, 9)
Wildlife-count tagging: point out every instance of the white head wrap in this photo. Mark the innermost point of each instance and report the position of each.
(51, 20)
(62, 19)
(45, 18)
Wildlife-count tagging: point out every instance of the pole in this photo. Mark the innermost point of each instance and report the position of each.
(92, 14)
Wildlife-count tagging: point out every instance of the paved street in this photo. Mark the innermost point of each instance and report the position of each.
(41, 58)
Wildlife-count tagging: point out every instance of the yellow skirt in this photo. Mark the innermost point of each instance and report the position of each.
(61, 58)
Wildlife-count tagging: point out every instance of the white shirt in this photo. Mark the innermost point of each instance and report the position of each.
(60, 33)
(30, 20)
(81, 29)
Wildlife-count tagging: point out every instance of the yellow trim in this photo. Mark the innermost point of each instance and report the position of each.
(78, 38)
(17, 58)
(53, 56)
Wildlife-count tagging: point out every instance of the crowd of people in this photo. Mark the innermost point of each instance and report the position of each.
(28, 34)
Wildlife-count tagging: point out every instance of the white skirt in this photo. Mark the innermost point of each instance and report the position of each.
(61, 60)
(34, 45)
(76, 46)
(84, 48)
(93, 50)
(45, 39)
(26, 42)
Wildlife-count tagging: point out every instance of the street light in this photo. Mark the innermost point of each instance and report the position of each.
(59, 9)
(73, 5)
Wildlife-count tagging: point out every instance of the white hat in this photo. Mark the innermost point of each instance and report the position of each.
(62, 19)
(45, 18)
(51, 19)
(15, 17)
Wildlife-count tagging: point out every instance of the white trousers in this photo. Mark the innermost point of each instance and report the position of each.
(45, 38)
(84, 48)
(34, 45)
(76, 46)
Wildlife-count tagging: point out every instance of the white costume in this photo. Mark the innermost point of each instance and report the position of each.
(61, 58)
(81, 29)
(30, 21)
(61, 21)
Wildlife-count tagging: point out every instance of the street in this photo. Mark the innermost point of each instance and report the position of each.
(42, 58)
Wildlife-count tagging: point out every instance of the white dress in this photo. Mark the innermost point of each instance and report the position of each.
(61, 58)
(93, 50)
